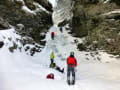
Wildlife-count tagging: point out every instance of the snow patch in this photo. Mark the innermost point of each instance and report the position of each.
(27, 10)
(53, 2)
(106, 1)
(112, 12)
(39, 8)
(33, 12)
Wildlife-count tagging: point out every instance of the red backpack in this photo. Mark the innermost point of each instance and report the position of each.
(50, 76)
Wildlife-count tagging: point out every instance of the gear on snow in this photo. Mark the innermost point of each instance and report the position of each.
(53, 65)
(52, 35)
(50, 76)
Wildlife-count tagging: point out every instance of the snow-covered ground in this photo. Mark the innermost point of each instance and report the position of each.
(19, 71)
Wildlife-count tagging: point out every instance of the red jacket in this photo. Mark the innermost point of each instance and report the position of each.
(52, 33)
(71, 62)
(50, 76)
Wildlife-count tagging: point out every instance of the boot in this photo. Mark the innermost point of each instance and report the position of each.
(68, 80)
(73, 82)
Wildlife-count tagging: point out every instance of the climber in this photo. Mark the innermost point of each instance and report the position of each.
(52, 35)
(61, 29)
(71, 64)
(52, 57)
(54, 66)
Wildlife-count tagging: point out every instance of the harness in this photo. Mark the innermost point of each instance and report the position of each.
(71, 65)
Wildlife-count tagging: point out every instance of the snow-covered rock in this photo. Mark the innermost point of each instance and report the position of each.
(4, 24)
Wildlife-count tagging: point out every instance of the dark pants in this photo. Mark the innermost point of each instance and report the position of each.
(52, 36)
(71, 71)
(61, 29)
(52, 61)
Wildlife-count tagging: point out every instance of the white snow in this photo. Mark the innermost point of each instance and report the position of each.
(19, 71)
(26, 9)
(62, 11)
(38, 8)
(53, 2)
(113, 12)
(106, 1)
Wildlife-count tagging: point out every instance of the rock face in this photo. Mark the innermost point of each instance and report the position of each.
(33, 24)
(29, 4)
(116, 1)
(4, 24)
(93, 20)
(30, 21)
(79, 21)
(45, 4)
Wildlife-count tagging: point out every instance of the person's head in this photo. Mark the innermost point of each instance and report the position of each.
(72, 54)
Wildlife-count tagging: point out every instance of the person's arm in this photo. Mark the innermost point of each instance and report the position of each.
(75, 63)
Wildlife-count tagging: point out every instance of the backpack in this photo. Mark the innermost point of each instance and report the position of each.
(52, 65)
(50, 76)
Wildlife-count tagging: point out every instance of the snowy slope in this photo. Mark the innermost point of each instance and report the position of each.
(19, 71)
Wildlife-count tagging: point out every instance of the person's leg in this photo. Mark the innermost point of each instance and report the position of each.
(53, 37)
(68, 75)
(73, 75)
(51, 60)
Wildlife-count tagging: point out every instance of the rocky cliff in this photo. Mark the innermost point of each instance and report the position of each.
(30, 13)
(98, 21)
(30, 18)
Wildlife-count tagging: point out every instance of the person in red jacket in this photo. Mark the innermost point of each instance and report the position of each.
(52, 35)
(71, 64)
